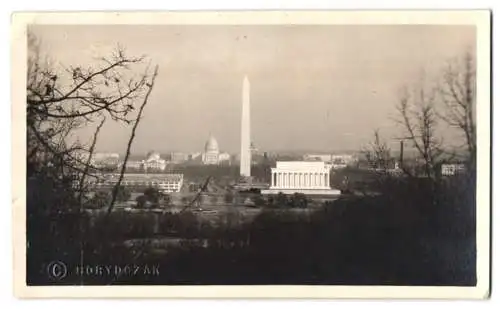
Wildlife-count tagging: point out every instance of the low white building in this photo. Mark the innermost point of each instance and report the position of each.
(343, 159)
(134, 164)
(224, 156)
(318, 157)
(166, 183)
(452, 169)
(154, 162)
(194, 156)
(336, 161)
(308, 177)
(101, 156)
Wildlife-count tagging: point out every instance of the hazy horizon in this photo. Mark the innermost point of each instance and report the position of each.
(316, 88)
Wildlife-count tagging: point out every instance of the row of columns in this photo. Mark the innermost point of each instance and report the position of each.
(300, 180)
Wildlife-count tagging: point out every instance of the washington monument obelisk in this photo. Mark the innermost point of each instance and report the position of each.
(246, 155)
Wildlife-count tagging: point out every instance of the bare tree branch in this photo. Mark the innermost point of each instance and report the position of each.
(61, 101)
(419, 120)
(89, 160)
(131, 139)
(459, 99)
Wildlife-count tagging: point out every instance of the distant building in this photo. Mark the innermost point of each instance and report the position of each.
(452, 169)
(308, 177)
(103, 158)
(388, 164)
(211, 154)
(336, 161)
(99, 159)
(166, 183)
(224, 156)
(105, 155)
(318, 157)
(342, 160)
(195, 156)
(154, 162)
(134, 164)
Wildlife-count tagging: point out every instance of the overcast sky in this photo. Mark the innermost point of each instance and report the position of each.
(322, 88)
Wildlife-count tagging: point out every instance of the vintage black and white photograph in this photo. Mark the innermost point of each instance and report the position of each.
(255, 154)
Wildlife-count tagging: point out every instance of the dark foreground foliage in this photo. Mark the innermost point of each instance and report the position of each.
(413, 233)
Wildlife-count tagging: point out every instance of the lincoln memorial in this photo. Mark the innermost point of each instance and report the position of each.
(312, 178)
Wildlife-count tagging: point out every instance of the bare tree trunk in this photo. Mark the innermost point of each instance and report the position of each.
(129, 145)
(88, 163)
(378, 153)
(418, 118)
(458, 93)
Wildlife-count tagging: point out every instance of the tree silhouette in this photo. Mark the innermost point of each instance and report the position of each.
(458, 94)
(123, 194)
(298, 200)
(141, 201)
(281, 200)
(60, 100)
(152, 195)
(167, 199)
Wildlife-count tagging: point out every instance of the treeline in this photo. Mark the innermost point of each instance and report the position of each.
(408, 235)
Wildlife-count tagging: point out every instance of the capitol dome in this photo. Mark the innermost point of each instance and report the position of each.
(211, 145)
(153, 156)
